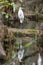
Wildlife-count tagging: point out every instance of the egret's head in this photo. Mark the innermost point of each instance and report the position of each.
(21, 46)
(39, 54)
(20, 8)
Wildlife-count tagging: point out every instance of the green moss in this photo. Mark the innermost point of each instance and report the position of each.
(18, 34)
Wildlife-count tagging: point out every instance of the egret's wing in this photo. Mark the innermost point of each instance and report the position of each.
(20, 14)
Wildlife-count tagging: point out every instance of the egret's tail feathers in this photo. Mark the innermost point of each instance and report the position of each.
(21, 21)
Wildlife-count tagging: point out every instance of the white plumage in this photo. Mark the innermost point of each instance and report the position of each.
(39, 59)
(20, 55)
(21, 47)
(21, 15)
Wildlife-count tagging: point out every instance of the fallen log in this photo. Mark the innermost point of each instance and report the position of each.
(26, 31)
(23, 31)
(15, 30)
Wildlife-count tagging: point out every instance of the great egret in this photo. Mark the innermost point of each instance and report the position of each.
(39, 59)
(20, 53)
(21, 15)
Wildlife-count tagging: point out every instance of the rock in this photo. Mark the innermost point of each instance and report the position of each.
(2, 54)
(12, 63)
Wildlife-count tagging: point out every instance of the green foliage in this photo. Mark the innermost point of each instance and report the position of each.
(21, 0)
(7, 4)
(3, 0)
(28, 45)
(13, 54)
(18, 34)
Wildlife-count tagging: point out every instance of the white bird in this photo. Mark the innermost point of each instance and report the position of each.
(21, 15)
(20, 55)
(39, 59)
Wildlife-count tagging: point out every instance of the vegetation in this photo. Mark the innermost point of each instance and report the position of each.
(29, 34)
